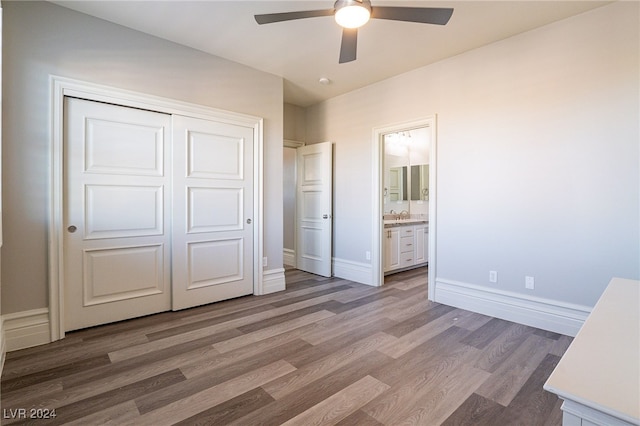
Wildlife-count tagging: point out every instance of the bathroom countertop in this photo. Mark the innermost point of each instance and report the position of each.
(390, 223)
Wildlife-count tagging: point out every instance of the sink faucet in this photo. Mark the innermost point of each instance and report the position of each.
(404, 214)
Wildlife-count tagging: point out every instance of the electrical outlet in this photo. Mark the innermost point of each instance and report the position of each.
(367, 255)
(529, 283)
(493, 276)
(264, 261)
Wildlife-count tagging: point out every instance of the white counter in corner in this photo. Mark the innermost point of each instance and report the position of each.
(599, 375)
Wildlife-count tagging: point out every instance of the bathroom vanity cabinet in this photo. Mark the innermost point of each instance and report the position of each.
(406, 245)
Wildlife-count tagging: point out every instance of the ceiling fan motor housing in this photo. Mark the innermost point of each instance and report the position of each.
(352, 13)
(339, 4)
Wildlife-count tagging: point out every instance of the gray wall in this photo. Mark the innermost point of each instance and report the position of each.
(294, 129)
(42, 39)
(538, 156)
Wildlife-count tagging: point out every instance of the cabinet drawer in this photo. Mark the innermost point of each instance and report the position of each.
(406, 244)
(407, 259)
(406, 231)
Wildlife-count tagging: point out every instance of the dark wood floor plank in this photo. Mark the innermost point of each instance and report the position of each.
(184, 328)
(324, 366)
(481, 337)
(477, 411)
(533, 405)
(230, 410)
(76, 350)
(279, 319)
(359, 418)
(162, 397)
(142, 360)
(85, 407)
(417, 360)
(311, 295)
(316, 352)
(507, 380)
(323, 350)
(495, 354)
(419, 320)
(289, 406)
(54, 373)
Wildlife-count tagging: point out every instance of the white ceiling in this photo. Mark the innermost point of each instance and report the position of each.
(303, 51)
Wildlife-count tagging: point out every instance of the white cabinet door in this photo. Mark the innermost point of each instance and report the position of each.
(117, 194)
(314, 205)
(391, 249)
(212, 211)
(421, 232)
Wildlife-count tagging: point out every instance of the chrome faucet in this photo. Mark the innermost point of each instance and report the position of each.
(404, 214)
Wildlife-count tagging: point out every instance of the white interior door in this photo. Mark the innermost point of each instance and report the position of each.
(213, 208)
(116, 194)
(314, 193)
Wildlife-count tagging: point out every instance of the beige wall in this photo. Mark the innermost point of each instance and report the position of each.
(538, 156)
(294, 123)
(294, 130)
(42, 39)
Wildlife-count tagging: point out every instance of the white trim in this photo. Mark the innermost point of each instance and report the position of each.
(289, 257)
(288, 143)
(61, 87)
(546, 314)
(582, 412)
(26, 329)
(353, 271)
(377, 265)
(273, 280)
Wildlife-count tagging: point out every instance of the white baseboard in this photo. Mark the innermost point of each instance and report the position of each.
(546, 314)
(26, 329)
(289, 257)
(273, 281)
(353, 271)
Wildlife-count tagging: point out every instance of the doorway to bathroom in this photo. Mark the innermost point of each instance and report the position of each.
(404, 199)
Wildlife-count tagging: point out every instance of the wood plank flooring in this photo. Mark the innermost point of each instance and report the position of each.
(326, 351)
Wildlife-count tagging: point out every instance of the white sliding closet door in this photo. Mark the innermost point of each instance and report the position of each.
(116, 234)
(157, 212)
(213, 208)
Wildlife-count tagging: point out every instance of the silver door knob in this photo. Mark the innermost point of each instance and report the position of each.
(72, 229)
(249, 221)
(325, 216)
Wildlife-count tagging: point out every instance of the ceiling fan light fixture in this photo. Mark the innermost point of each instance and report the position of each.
(352, 13)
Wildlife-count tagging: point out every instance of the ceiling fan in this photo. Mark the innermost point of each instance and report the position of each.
(352, 14)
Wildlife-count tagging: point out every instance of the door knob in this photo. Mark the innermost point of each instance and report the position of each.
(249, 221)
(325, 216)
(72, 229)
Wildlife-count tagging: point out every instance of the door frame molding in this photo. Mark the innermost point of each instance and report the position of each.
(377, 265)
(61, 87)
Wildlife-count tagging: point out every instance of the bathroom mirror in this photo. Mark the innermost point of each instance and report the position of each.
(420, 182)
(398, 184)
(406, 172)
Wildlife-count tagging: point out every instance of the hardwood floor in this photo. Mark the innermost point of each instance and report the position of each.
(325, 351)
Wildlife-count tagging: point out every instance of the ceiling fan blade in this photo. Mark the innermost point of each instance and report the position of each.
(349, 45)
(424, 15)
(290, 16)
